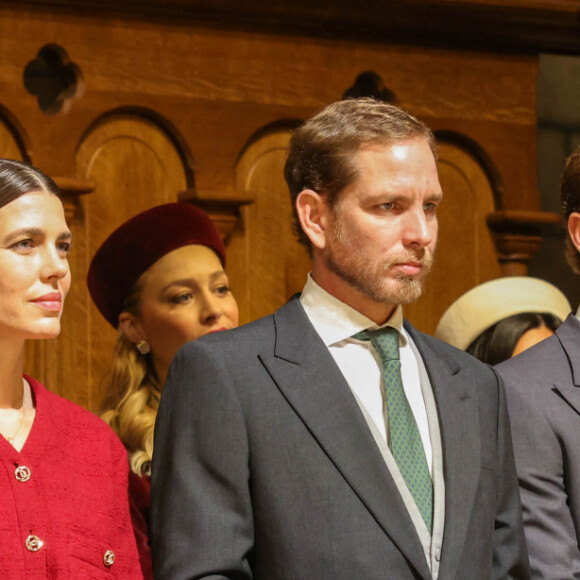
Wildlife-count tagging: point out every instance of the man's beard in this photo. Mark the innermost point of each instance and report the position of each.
(346, 260)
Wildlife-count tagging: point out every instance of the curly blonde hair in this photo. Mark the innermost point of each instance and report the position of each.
(132, 397)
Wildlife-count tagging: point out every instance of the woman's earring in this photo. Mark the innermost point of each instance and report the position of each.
(143, 347)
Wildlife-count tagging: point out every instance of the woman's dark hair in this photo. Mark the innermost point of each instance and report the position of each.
(498, 342)
(18, 178)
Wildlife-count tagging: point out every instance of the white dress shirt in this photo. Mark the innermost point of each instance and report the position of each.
(336, 323)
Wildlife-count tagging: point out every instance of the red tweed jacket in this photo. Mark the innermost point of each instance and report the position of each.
(64, 510)
(140, 502)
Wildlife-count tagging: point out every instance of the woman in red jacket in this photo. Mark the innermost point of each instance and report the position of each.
(64, 511)
(159, 279)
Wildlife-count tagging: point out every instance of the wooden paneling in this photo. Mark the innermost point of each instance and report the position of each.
(267, 263)
(514, 25)
(158, 94)
(9, 145)
(134, 165)
(465, 254)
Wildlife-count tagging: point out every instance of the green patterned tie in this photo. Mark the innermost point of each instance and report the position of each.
(406, 444)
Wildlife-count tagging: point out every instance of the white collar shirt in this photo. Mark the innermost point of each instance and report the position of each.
(336, 323)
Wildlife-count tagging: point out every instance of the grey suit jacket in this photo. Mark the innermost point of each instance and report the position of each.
(543, 393)
(265, 468)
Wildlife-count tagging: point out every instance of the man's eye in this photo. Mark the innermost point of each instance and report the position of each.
(64, 247)
(23, 245)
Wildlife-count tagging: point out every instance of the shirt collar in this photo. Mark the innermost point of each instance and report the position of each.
(335, 321)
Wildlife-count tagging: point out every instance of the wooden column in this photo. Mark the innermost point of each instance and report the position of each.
(224, 211)
(517, 235)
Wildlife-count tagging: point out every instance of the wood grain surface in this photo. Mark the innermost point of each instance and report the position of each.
(206, 109)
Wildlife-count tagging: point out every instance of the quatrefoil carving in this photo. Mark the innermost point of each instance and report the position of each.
(370, 84)
(53, 79)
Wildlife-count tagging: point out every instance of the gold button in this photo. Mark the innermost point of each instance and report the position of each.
(109, 558)
(22, 473)
(33, 543)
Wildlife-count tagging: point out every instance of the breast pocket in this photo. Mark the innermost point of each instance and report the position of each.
(90, 556)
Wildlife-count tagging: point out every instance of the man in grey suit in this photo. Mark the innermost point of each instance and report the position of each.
(543, 393)
(331, 440)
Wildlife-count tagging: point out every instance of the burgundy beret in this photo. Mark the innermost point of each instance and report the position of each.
(137, 244)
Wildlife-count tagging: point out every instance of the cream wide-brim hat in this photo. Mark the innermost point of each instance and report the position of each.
(486, 304)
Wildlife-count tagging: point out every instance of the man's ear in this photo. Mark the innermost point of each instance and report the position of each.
(574, 229)
(131, 327)
(313, 211)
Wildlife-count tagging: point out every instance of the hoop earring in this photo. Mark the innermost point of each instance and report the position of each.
(143, 347)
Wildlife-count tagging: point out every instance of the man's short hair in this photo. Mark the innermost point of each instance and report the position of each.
(322, 150)
(570, 197)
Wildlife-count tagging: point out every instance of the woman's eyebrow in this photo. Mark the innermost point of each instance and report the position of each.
(217, 274)
(192, 281)
(31, 232)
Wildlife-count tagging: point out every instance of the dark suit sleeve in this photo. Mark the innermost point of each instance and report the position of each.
(540, 460)
(201, 517)
(510, 557)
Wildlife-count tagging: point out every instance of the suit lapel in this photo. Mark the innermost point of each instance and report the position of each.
(311, 382)
(453, 389)
(570, 394)
(569, 336)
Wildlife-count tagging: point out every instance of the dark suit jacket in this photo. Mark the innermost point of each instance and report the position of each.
(265, 468)
(543, 393)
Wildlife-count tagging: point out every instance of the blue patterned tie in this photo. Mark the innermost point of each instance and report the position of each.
(406, 444)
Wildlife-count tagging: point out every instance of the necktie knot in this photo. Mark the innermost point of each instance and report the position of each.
(385, 340)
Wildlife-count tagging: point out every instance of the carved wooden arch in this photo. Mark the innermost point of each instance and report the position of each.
(14, 144)
(465, 253)
(225, 209)
(280, 125)
(480, 156)
(14, 141)
(516, 233)
(266, 263)
(136, 160)
(164, 124)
